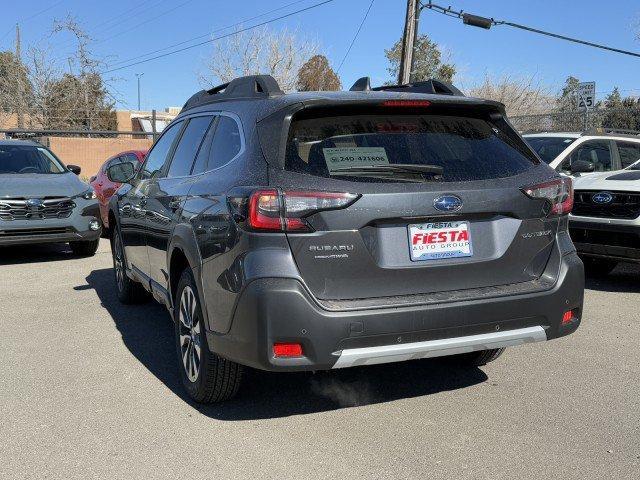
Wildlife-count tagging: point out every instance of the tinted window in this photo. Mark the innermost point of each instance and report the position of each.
(158, 154)
(24, 159)
(459, 148)
(594, 151)
(205, 149)
(548, 148)
(188, 147)
(629, 153)
(226, 143)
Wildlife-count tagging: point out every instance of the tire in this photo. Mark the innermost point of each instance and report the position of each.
(599, 267)
(129, 292)
(478, 359)
(85, 249)
(207, 377)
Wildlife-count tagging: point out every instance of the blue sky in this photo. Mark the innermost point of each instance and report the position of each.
(146, 25)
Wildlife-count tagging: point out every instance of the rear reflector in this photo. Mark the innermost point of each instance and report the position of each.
(287, 350)
(286, 211)
(558, 192)
(568, 316)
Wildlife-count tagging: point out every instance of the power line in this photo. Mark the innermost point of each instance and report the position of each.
(355, 37)
(50, 7)
(219, 37)
(484, 22)
(199, 37)
(126, 12)
(136, 26)
(30, 17)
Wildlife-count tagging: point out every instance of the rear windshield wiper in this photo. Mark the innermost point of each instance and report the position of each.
(413, 170)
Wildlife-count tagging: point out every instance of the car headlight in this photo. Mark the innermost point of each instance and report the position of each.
(88, 194)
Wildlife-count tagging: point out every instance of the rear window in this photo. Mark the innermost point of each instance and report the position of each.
(548, 148)
(459, 148)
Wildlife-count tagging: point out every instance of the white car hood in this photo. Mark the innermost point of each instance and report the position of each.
(621, 180)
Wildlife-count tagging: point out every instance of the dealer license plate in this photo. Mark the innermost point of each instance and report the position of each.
(432, 241)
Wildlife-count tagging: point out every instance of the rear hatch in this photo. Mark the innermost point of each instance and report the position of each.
(438, 202)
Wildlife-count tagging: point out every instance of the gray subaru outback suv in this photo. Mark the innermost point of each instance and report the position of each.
(44, 201)
(321, 230)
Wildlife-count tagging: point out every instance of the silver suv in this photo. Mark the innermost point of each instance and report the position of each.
(44, 201)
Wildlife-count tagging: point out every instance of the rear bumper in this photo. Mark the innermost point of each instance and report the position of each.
(617, 241)
(275, 310)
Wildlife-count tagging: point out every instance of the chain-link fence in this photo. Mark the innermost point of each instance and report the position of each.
(579, 121)
(86, 148)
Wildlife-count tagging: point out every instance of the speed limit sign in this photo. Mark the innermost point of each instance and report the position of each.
(586, 95)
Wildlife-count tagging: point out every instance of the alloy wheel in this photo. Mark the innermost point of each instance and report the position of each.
(190, 340)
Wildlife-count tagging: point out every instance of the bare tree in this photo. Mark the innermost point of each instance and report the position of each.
(15, 91)
(262, 51)
(43, 73)
(520, 95)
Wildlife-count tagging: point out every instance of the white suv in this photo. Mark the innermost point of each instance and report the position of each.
(604, 150)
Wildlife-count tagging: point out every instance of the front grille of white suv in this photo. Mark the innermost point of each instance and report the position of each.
(35, 209)
(625, 205)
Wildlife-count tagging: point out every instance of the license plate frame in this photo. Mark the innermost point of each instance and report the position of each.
(439, 240)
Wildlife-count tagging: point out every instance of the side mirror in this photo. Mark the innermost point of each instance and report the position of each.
(121, 172)
(75, 169)
(582, 166)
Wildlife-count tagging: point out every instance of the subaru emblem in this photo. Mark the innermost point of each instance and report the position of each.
(447, 203)
(602, 198)
(35, 203)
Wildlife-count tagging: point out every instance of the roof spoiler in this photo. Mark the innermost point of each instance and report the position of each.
(251, 86)
(431, 86)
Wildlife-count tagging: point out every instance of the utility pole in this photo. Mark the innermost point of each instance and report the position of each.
(19, 86)
(138, 75)
(409, 41)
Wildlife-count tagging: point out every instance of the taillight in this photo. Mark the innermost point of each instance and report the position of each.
(558, 192)
(286, 211)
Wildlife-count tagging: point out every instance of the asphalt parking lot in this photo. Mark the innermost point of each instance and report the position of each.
(89, 389)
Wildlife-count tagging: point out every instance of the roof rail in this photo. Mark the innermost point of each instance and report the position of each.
(610, 131)
(251, 86)
(432, 85)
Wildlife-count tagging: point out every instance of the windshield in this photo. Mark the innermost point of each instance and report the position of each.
(24, 159)
(548, 148)
(389, 147)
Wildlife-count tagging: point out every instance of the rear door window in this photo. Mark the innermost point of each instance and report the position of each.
(188, 146)
(367, 148)
(629, 153)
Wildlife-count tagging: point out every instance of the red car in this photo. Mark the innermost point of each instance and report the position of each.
(104, 187)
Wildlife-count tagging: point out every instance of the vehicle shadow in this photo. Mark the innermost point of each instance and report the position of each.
(147, 332)
(19, 254)
(625, 279)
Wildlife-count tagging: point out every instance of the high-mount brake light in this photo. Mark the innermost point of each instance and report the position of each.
(406, 103)
(558, 192)
(271, 210)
